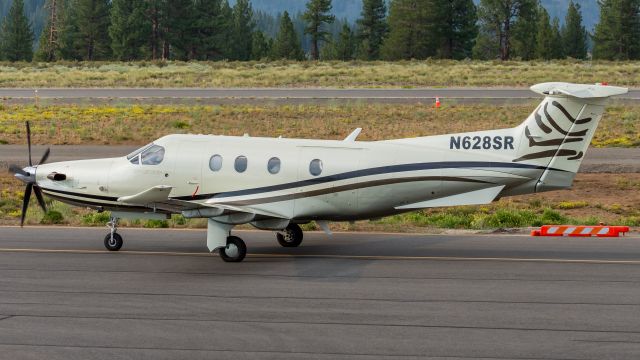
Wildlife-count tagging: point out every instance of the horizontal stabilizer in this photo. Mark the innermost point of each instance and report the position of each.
(477, 197)
(156, 194)
(582, 91)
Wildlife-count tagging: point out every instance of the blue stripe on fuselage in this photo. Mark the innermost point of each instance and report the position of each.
(369, 172)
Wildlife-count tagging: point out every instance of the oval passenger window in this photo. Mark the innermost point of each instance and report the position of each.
(315, 167)
(215, 163)
(241, 164)
(273, 166)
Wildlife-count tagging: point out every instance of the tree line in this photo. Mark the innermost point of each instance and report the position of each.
(127, 30)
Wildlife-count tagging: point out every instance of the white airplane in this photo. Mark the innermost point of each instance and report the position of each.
(276, 183)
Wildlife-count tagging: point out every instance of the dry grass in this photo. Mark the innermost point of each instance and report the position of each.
(136, 124)
(429, 73)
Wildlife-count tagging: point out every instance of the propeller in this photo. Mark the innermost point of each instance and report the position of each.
(28, 176)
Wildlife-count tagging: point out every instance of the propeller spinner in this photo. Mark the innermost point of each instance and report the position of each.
(28, 176)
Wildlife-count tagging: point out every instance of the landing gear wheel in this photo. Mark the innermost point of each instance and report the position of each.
(235, 251)
(113, 243)
(290, 237)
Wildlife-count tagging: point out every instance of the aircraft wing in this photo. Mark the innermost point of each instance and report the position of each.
(157, 197)
(209, 209)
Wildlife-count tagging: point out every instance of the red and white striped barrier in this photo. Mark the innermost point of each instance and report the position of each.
(580, 230)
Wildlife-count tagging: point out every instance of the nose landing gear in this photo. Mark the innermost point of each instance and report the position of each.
(235, 251)
(113, 240)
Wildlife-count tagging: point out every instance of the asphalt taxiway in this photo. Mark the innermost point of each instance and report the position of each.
(274, 95)
(352, 295)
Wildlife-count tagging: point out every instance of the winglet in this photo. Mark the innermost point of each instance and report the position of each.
(352, 137)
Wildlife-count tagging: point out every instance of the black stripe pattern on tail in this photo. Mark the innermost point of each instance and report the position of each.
(569, 137)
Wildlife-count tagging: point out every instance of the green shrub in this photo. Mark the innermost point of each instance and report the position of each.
(552, 217)
(156, 224)
(179, 220)
(52, 217)
(180, 125)
(505, 218)
(96, 218)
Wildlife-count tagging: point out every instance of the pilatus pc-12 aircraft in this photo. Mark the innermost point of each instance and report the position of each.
(276, 183)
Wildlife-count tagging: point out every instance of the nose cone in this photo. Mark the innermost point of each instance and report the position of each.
(28, 175)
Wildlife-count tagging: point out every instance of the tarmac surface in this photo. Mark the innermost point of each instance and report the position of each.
(352, 295)
(597, 160)
(275, 95)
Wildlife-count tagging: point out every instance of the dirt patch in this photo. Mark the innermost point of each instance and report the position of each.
(605, 196)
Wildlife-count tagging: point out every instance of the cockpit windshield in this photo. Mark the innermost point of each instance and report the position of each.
(151, 154)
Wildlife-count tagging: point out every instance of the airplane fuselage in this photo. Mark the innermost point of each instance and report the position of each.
(353, 180)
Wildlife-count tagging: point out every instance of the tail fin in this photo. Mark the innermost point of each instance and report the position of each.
(556, 135)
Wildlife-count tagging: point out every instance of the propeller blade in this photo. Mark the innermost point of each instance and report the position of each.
(25, 203)
(29, 141)
(45, 156)
(38, 192)
(15, 169)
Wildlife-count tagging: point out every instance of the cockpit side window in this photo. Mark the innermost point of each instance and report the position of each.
(135, 160)
(152, 156)
(137, 152)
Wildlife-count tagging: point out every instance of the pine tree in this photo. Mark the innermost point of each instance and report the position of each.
(411, 33)
(617, 33)
(558, 51)
(86, 30)
(156, 18)
(498, 18)
(260, 46)
(316, 16)
(226, 36)
(16, 37)
(287, 44)
(69, 36)
(525, 32)
(343, 47)
(206, 28)
(243, 26)
(179, 21)
(544, 44)
(129, 29)
(49, 44)
(456, 27)
(372, 28)
(574, 35)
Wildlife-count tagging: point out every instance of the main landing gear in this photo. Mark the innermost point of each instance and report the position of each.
(291, 236)
(113, 240)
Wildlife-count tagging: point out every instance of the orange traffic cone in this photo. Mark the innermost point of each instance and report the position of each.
(437, 102)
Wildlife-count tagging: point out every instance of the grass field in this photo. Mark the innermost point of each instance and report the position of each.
(138, 124)
(429, 73)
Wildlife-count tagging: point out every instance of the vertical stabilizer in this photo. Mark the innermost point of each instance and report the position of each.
(557, 134)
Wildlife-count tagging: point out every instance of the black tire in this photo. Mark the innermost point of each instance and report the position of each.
(235, 251)
(114, 245)
(291, 236)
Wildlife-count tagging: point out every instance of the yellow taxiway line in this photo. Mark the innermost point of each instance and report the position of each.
(330, 256)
